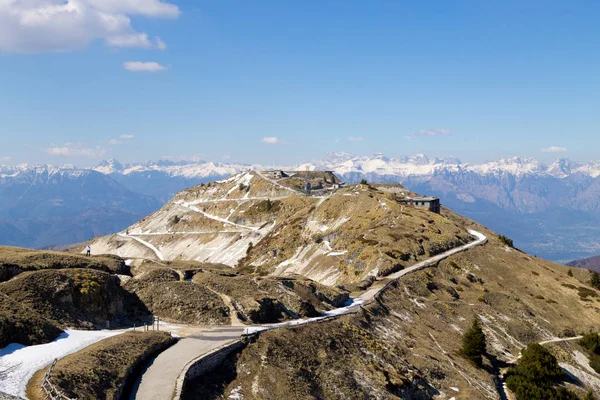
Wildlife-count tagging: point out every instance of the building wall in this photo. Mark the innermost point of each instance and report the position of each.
(205, 364)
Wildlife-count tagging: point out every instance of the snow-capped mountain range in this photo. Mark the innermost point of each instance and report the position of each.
(549, 209)
(343, 163)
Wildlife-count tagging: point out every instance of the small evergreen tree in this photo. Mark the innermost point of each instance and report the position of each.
(536, 376)
(473, 343)
(363, 181)
(250, 247)
(595, 280)
(570, 273)
(591, 341)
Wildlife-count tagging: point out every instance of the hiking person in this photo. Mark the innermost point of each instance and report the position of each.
(88, 251)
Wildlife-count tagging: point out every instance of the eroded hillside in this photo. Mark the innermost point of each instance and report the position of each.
(275, 226)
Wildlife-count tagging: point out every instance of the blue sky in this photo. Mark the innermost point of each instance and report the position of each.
(223, 80)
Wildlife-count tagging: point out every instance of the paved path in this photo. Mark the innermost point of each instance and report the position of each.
(159, 380)
(382, 282)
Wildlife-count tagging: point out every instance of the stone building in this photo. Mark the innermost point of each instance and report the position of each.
(424, 203)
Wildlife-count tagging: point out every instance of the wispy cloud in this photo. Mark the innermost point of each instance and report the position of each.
(70, 149)
(270, 140)
(139, 66)
(35, 26)
(5, 159)
(139, 40)
(124, 138)
(355, 139)
(160, 45)
(429, 133)
(554, 149)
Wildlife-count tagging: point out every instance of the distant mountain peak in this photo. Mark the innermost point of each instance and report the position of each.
(109, 166)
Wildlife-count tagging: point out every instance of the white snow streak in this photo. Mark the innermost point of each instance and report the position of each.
(23, 361)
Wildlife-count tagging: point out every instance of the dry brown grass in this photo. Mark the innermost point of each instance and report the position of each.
(15, 260)
(34, 386)
(76, 297)
(420, 320)
(100, 371)
(178, 301)
(20, 323)
(263, 300)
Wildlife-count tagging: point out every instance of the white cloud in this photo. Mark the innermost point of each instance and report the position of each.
(33, 26)
(125, 137)
(430, 133)
(139, 66)
(70, 149)
(270, 140)
(5, 159)
(140, 40)
(148, 8)
(355, 139)
(554, 149)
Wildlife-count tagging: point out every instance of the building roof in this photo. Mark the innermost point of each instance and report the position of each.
(430, 198)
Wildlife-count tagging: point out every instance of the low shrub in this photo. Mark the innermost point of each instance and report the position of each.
(507, 241)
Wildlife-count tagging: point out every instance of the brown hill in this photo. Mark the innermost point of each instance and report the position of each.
(406, 343)
(338, 237)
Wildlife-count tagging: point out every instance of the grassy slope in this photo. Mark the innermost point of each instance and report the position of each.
(76, 297)
(15, 260)
(20, 323)
(377, 234)
(178, 301)
(100, 370)
(263, 299)
(420, 321)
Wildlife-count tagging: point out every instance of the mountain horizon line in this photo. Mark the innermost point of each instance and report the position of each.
(378, 162)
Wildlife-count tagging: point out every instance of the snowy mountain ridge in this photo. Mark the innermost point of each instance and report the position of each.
(342, 163)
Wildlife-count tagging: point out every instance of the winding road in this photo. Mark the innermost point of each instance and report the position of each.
(159, 381)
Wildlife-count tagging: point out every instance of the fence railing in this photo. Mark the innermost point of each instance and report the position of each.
(51, 391)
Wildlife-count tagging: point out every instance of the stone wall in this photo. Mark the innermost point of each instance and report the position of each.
(205, 363)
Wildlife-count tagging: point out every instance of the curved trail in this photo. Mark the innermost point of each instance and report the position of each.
(214, 217)
(159, 380)
(148, 245)
(192, 207)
